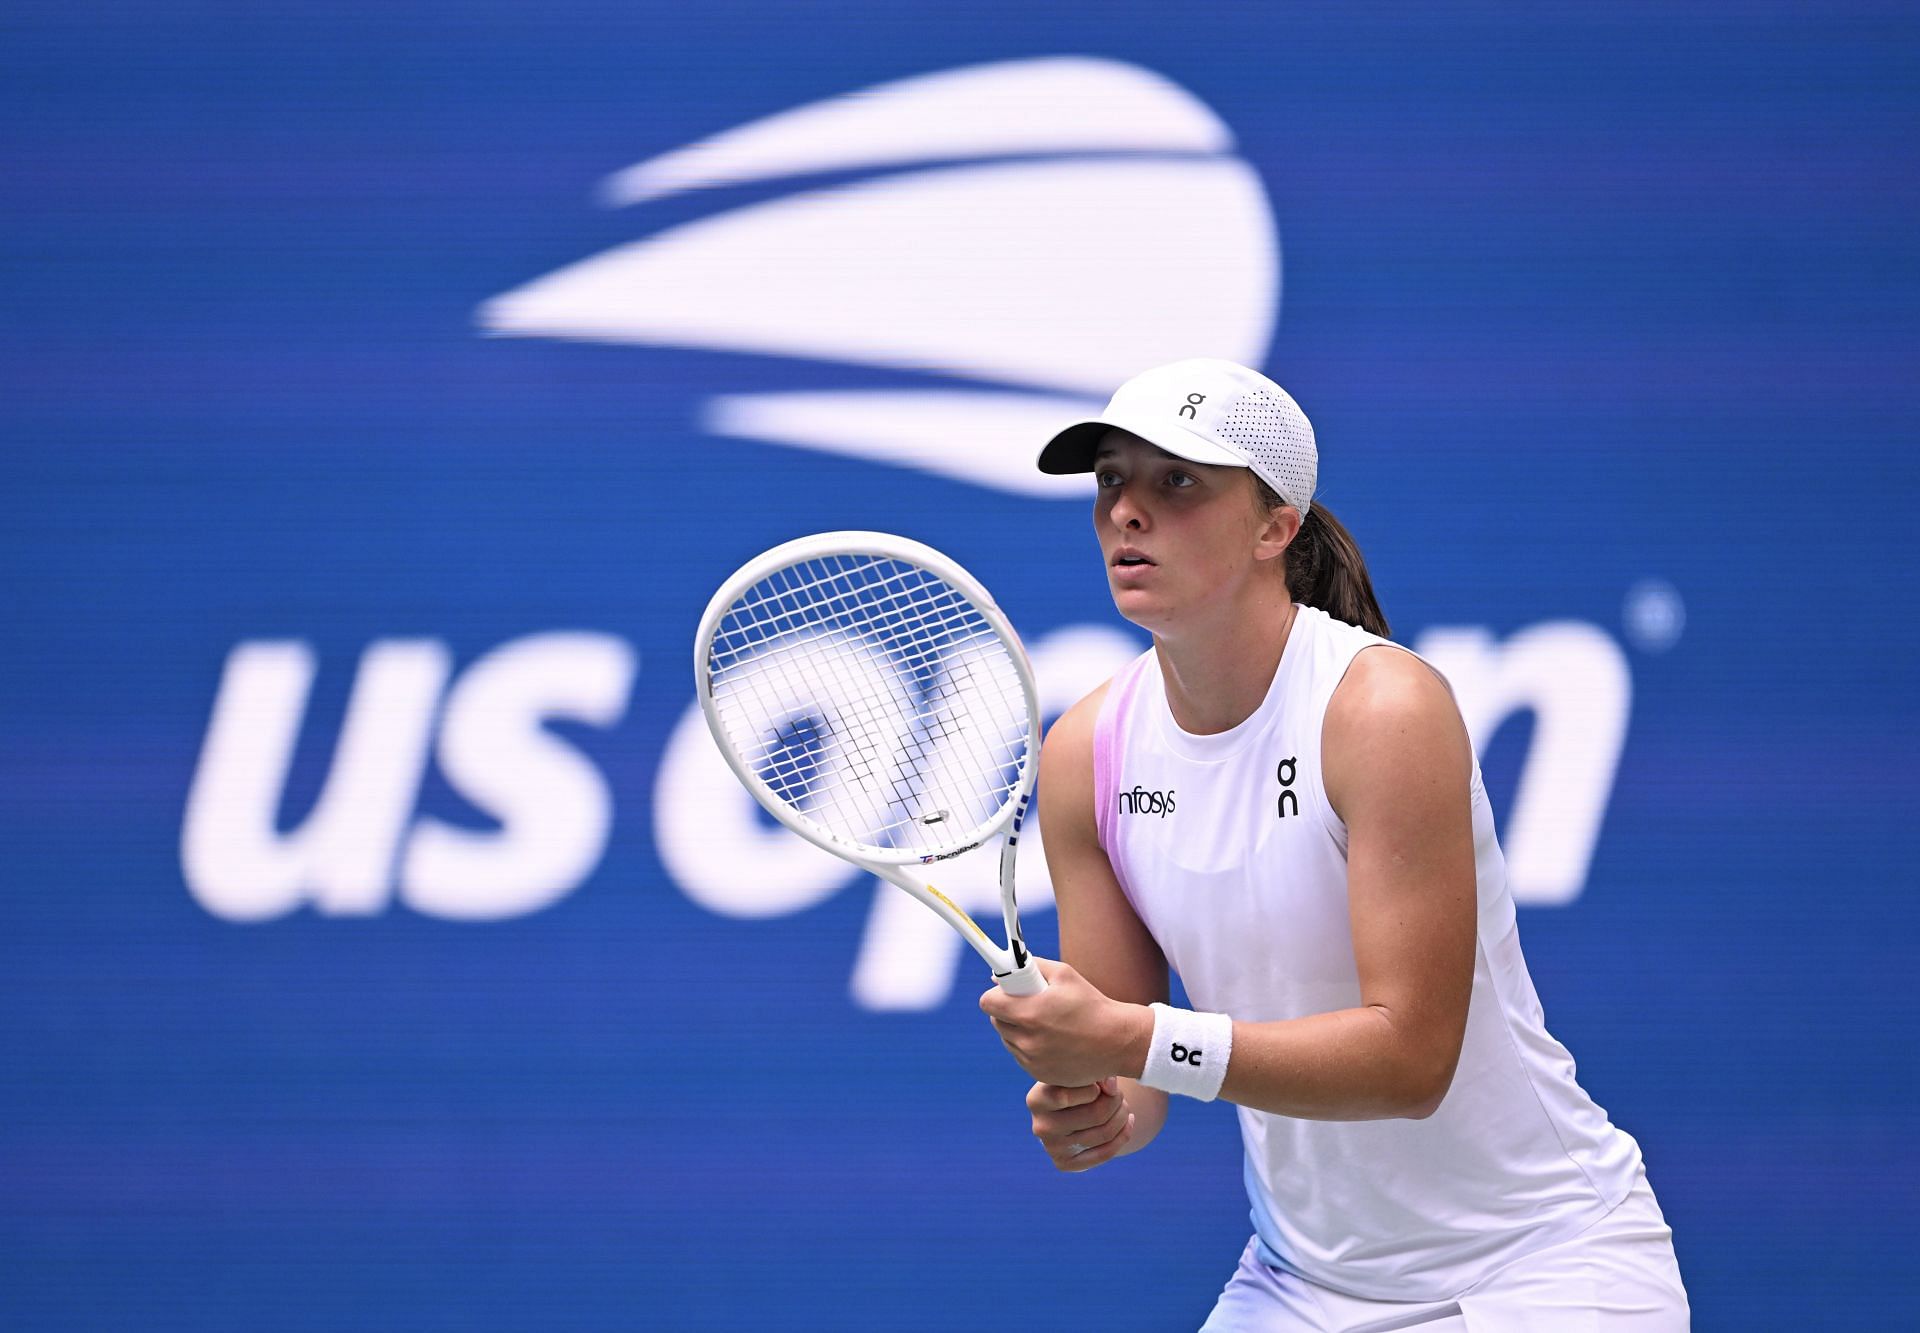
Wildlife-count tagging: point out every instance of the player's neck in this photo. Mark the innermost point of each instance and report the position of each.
(1218, 675)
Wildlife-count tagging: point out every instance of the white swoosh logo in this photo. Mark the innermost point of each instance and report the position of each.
(1061, 104)
(1064, 275)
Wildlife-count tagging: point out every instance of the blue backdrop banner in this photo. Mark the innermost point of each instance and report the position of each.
(386, 388)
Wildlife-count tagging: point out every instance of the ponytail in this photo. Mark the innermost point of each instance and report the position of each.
(1326, 570)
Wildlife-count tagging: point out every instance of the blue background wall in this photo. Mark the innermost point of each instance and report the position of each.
(1576, 298)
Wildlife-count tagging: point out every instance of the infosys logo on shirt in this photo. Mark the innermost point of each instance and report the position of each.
(1141, 801)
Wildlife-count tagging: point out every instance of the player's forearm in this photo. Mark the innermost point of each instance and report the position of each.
(1352, 1064)
(1149, 1107)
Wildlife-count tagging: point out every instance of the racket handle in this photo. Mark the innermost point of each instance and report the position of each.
(1025, 980)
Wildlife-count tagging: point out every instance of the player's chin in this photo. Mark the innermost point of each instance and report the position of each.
(1145, 607)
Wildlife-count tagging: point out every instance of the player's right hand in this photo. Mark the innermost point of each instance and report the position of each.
(1081, 1128)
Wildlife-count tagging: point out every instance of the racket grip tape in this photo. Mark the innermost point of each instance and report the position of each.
(1023, 980)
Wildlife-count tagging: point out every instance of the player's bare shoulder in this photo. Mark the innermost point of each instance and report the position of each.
(1392, 715)
(1072, 732)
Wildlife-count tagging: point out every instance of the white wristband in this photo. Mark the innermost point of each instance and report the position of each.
(1189, 1052)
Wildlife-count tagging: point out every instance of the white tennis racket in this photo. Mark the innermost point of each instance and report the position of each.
(872, 697)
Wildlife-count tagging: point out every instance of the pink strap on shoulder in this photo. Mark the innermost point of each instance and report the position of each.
(1108, 742)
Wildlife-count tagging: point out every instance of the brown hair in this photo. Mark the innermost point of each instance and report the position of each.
(1326, 570)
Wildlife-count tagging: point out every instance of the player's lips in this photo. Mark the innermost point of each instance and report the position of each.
(1130, 566)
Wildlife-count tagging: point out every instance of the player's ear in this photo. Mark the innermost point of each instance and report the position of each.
(1276, 533)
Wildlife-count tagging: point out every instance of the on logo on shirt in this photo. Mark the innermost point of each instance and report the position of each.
(1289, 800)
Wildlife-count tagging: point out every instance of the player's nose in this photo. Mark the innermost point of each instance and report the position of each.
(1126, 511)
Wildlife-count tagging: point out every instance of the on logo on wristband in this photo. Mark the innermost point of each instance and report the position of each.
(1177, 1058)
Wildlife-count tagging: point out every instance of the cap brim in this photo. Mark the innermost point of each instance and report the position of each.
(1072, 449)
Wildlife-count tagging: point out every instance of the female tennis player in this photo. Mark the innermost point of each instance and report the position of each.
(1286, 809)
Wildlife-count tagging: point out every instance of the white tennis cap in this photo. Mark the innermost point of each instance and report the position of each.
(1205, 411)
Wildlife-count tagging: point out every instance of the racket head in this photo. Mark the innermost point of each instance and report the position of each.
(871, 695)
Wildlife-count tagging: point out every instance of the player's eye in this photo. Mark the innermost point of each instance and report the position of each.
(1181, 480)
(1105, 479)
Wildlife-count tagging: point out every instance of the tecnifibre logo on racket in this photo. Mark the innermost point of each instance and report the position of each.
(1015, 220)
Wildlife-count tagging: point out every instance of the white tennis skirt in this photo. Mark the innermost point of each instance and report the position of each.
(1618, 1274)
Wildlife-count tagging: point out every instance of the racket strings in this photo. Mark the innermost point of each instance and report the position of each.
(874, 698)
(935, 720)
(804, 771)
(923, 625)
(795, 615)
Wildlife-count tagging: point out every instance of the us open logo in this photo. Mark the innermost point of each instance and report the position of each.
(1080, 186)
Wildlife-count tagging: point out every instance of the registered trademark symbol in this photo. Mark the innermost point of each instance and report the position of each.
(1654, 615)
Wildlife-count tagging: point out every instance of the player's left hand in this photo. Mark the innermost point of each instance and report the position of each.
(1070, 1034)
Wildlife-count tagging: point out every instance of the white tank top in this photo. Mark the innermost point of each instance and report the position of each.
(1233, 859)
